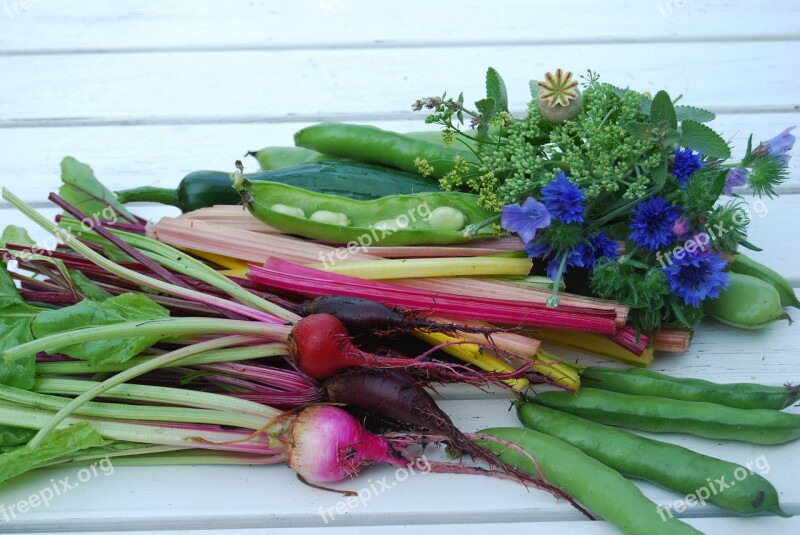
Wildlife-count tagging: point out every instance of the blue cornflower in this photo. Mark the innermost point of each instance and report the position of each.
(581, 256)
(697, 276)
(651, 223)
(604, 245)
(564, 199)
(686, 164)
(735, 177)
(525, 219)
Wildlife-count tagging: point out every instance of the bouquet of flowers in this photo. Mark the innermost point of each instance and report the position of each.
(629, 193)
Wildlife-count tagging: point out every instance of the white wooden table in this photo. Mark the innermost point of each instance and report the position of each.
(146, 91)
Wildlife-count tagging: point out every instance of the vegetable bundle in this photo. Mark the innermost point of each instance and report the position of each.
(164, 343)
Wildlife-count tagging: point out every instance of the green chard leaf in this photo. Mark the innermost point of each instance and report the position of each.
(81, 189)
(496, 89)
(57, 444)
(16, 317)
(122, 308)
(86, 288)
(662, 110)
(14, 436)
(703, 139)
(16, 235)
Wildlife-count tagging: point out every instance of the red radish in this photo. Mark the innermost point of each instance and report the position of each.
(327, 444)
(321, 347)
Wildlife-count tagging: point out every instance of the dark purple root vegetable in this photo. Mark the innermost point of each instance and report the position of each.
(394, 394)
(362, 316)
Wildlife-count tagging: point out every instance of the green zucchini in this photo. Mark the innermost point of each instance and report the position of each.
(354, 180)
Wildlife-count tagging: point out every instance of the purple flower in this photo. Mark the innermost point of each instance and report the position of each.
(685, 165)
(680, 227)
(778, 146)
(651, 223)
(697, 276)
(735, 177)
(525, 219)
(564, 199)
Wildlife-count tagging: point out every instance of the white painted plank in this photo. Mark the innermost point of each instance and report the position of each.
(247, 497)
(729, 526)
(31, 26)
(368, 84)
(163, 155)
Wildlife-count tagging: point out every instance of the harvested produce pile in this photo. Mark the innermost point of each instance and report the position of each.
(306, 327)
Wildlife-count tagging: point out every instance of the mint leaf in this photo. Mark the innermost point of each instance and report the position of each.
(703, 139)
(691, 113)
(661, 110)
(57, 444)
(122, 308)
(81, 189)
(496, 89)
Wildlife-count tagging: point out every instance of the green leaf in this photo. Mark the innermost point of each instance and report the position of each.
(16, 317)
(534, 86)
(703, 139)
(16, 235)
(700, 115)
(125, 307)
(487, 107)
(86, 288)
(81, 189)
(57, 444)
(14, 436)
(496, 89)
(662, 110)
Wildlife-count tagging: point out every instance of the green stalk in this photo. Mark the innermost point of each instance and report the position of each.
(186, 264)
(121, 411)
(143, 280)
(160, 327)
(108, 384)
(415, 268)
(234, 354)
(29, 418)
(158, 394)
(188, 457)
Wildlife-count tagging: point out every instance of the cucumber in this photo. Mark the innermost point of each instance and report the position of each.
(347, 179)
